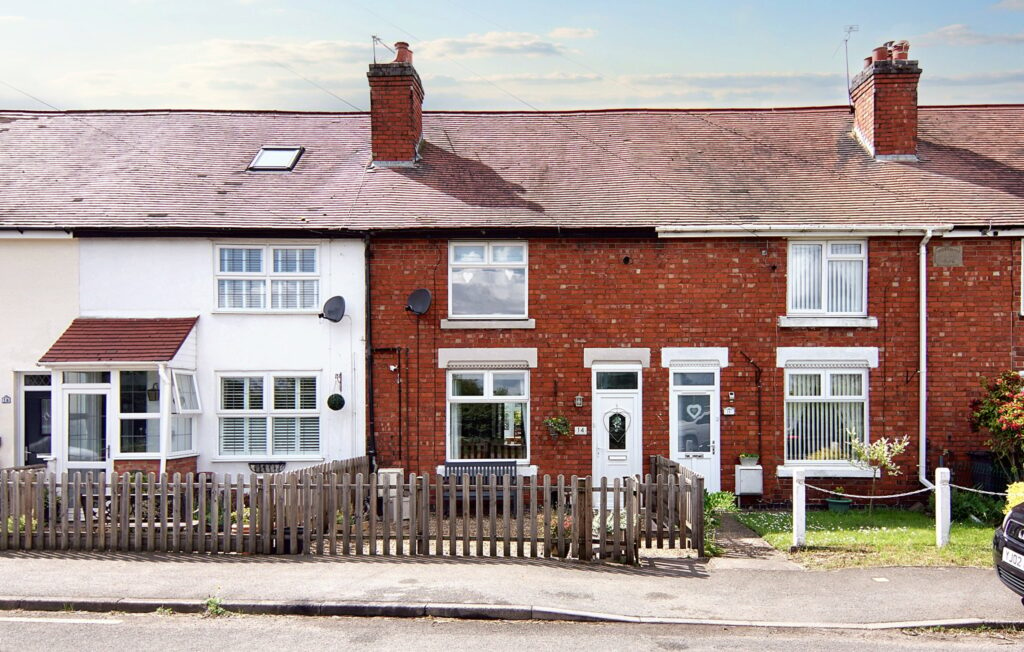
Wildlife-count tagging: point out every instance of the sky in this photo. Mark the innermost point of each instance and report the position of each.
(513, 55)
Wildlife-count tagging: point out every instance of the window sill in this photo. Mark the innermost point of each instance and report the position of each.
(524, 470)
(178, 455)
(222, 311)
(490, 324)
(820, 471)
(256, 458)
(828, 322)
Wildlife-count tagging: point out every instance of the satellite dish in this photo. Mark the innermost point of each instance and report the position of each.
(334, 309)
(419, 301)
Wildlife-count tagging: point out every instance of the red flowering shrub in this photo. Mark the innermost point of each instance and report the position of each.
(1000, 413)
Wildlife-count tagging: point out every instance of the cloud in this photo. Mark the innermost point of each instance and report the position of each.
(738, 81)
(11, 19)
(231, 53)
(980, 79)
(1010, 5)
(577, 32)
(542, 78)
(959, 34)
(491, 44)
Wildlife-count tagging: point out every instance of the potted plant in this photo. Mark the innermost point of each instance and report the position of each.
(749, 459)
(558, 426)
(839, 504)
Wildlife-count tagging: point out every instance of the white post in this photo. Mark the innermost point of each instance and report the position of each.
(942, 507)
(799, 509)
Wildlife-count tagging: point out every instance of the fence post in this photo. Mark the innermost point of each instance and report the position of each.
(799, 509)
(942, 507)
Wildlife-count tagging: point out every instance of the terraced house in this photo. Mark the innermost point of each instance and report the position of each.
(569, 291)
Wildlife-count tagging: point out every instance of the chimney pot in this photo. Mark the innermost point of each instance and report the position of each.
(402, 52)
(880, 53)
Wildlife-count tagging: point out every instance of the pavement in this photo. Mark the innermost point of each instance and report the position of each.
(753, 585)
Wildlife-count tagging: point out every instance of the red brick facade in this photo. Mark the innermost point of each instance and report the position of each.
(695, 293)
(182, 465)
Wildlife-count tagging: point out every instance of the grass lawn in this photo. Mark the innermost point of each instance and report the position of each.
(891, 537)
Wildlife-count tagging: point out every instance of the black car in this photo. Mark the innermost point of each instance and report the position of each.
(1008, 550)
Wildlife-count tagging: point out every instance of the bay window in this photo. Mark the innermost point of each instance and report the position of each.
(488, 414)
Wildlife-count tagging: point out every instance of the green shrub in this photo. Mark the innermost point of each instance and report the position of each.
(968, 507)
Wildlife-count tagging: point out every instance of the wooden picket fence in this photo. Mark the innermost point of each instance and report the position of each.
(324, 512)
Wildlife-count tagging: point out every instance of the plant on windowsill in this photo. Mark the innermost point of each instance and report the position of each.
(558, 426)
(749, 459)
(838, 504)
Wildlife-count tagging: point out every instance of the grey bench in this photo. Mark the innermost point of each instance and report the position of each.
(455, 471)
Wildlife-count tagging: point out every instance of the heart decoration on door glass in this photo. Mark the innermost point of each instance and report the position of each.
(695, 410)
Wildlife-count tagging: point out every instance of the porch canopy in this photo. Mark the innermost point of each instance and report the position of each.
(92, 339)
(125, 392)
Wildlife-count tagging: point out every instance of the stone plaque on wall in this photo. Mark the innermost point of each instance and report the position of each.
(949, 256)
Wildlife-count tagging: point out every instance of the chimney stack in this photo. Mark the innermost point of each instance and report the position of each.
(884, 98)
(396, 114)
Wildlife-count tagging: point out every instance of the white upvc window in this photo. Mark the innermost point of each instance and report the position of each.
(827, 278)
(184, 407)
(487, 279)
(488, 414)
(826, 408)
(273, 278)
(139, 411)
(265, 415)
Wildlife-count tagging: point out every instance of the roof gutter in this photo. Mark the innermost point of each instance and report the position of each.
(796, 231)
(922, 408)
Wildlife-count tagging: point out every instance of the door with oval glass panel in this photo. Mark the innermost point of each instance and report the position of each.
(695, 424)
(616, 429)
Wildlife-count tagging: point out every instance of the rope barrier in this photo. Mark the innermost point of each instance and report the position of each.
(836, 493)
(978, 491)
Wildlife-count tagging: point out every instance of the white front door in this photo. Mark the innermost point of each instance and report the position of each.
(695, 423)
(87, 428)
(616, 428)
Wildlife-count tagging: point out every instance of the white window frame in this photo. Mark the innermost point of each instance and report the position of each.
(177, 392)
(268, 412)
(268, 276)
(827, 255)
(487, 397)
(115, 396)
(488, 245)
(826, 372)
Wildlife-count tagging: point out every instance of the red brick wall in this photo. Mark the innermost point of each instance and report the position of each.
(180, 465)
(686, 292)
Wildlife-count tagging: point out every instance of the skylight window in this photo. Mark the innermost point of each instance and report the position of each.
(276, 158)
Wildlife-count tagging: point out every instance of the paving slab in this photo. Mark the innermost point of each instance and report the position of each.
(664, 588)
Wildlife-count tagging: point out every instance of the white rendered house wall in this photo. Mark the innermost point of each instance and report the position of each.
(38, 299)
(176, 277)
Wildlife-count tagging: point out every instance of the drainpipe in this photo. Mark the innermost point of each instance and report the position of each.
(922, 410)
(371, 434)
